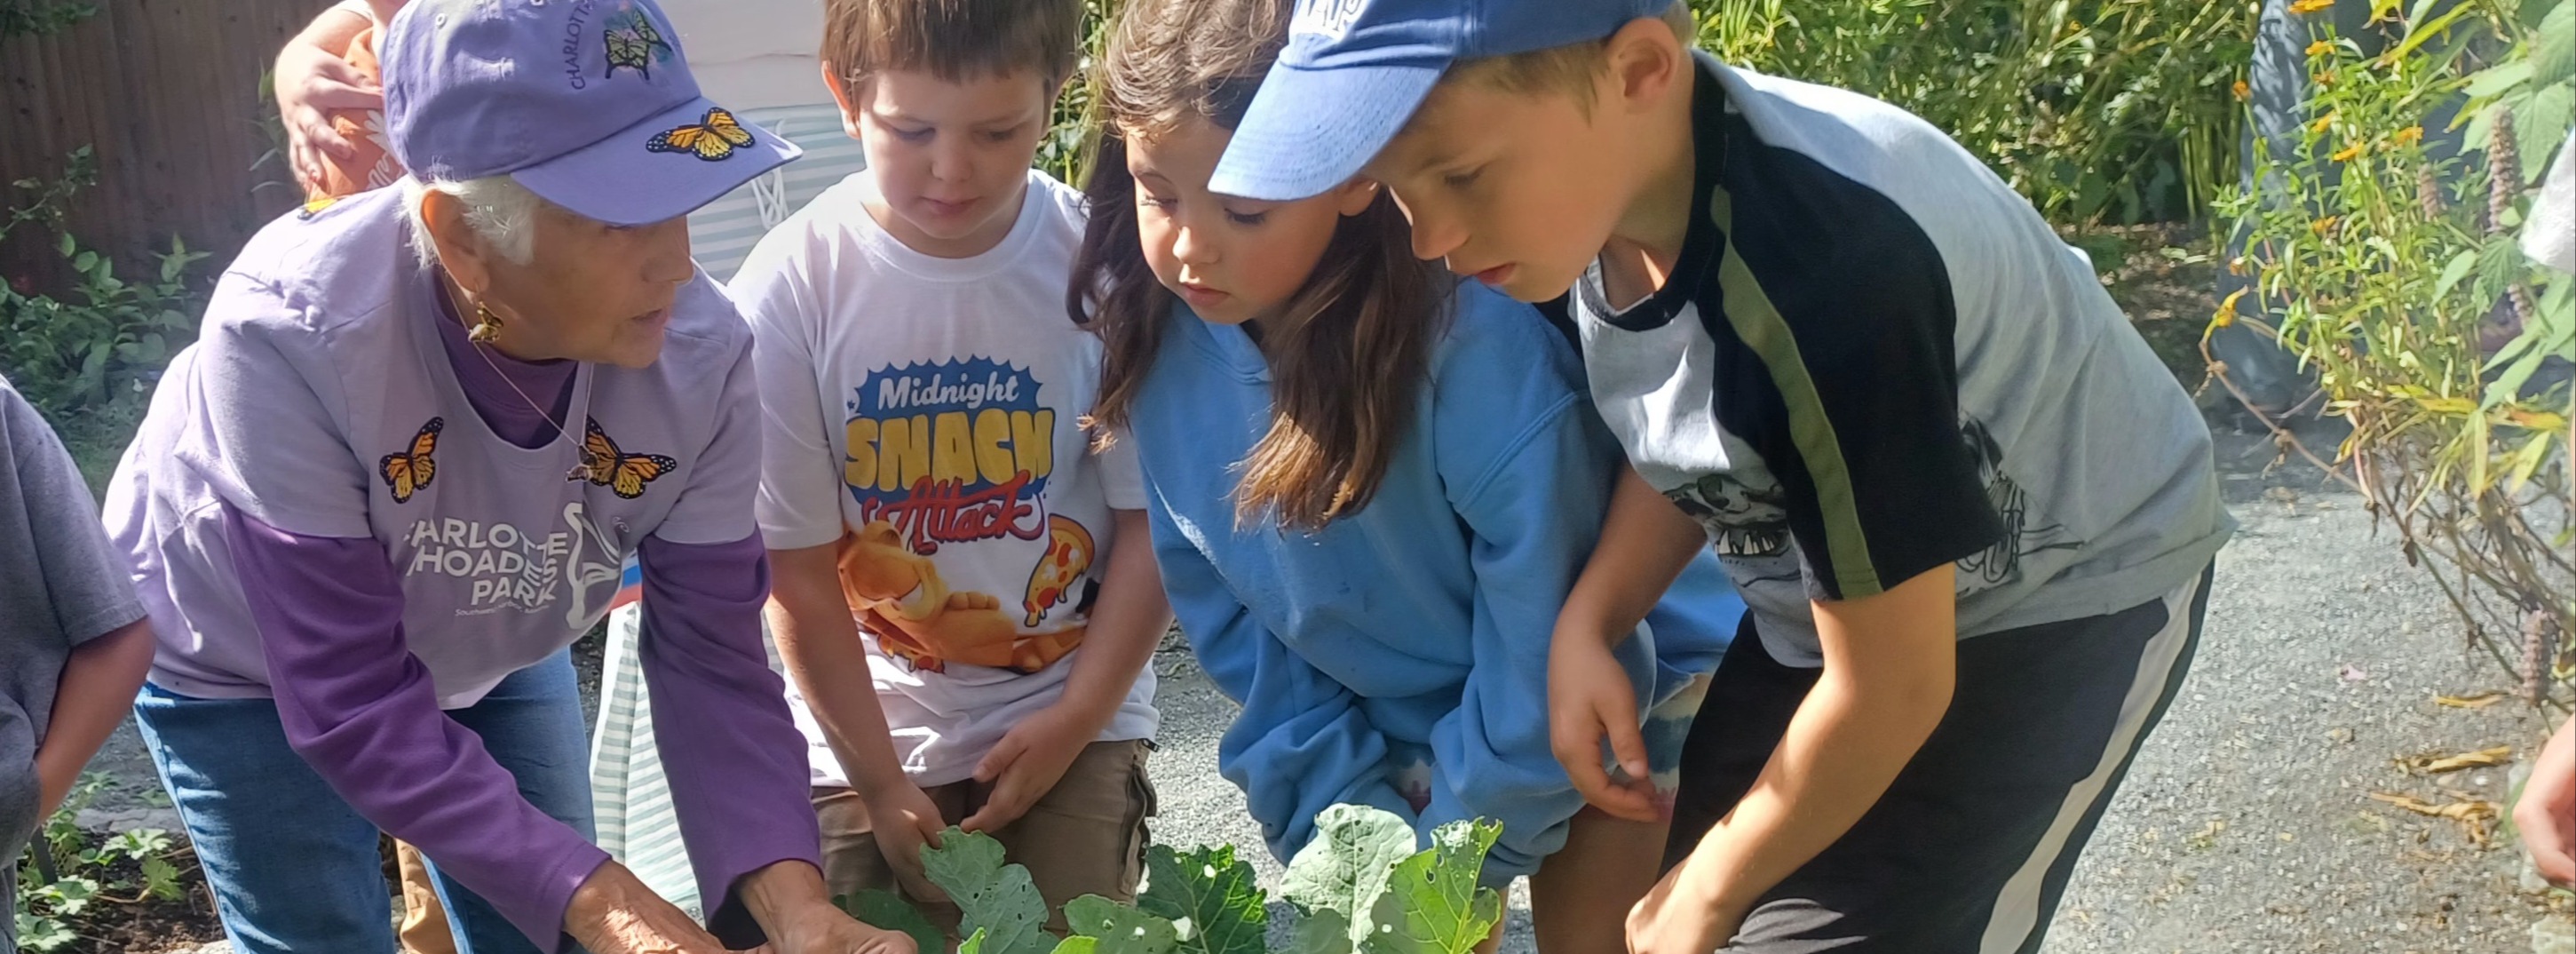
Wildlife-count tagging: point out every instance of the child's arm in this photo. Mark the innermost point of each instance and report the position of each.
(1126, 623)
(312, 80)
(84, 589)
(819, 639)
(96, 691)
(799, 512)
(1890, 663)
(1645, 544)
(1302, 743)
(1535, 497)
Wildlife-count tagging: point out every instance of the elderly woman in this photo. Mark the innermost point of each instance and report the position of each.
(396, 478)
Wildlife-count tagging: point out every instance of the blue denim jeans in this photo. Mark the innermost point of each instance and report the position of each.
(293, 868)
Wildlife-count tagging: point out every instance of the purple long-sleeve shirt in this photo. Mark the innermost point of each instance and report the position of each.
(361, 709)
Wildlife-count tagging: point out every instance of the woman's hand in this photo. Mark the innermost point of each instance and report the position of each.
(312, 82)
(614, 913)
(793, 907)
(2546, 813)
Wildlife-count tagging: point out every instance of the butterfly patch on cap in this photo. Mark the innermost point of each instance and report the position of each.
(633, 43)
(712, 138)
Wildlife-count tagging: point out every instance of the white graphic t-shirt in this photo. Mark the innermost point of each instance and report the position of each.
(923, 412)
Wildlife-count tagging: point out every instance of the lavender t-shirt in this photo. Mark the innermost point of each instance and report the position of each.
(319, 403)
(322, 511)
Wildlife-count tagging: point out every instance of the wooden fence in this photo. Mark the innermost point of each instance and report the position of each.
(167, 94)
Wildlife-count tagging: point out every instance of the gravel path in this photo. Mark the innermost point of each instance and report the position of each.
(2245, 824)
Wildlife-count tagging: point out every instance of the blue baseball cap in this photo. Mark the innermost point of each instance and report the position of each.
(1355, 70)
(588, 103)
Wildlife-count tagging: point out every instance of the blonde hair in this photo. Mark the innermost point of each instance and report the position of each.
(1568, 69)
(953, 40)
(501, 212)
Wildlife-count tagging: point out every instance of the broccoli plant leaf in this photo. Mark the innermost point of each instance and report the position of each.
(885, 909)
(1344, 869)
(1322, 931)
(1432, 903)
(1118, 929)
(998, 901)
(1212, 891)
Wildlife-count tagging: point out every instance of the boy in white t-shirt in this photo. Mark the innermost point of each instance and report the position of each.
(966, 635)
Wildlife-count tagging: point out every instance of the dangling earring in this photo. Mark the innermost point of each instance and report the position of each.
(487, 325)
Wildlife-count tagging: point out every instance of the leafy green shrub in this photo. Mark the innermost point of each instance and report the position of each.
(101, 344)
(73, 878)
(1065, 153)
(2390, 268)
(2095, 109)
(40, 17)
(1359, 887)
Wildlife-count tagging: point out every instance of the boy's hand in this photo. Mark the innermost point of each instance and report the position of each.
(2546, 813)
(903, 819)
(1683, 915)
(1588, 698)
(1027, 763)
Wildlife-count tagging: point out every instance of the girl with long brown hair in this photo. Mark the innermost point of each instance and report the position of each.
(1370, 487)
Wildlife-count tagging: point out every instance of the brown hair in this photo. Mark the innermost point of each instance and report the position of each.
(1568, 69)
(1352, 346)
(954, 40)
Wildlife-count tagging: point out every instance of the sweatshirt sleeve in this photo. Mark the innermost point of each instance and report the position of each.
(358, 706)
(735, 760)
(1534, 514)
(1301, 744)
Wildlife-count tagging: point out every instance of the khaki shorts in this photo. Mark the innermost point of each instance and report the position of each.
(1087, 836)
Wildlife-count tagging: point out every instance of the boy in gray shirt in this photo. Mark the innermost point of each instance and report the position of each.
(73, 643)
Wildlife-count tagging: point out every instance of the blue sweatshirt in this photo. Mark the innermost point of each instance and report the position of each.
(1423, 620)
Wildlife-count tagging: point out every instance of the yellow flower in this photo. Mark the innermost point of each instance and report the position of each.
(2324, 225)
(2408, 136)
(2310, 6)
(2349, 153)
(2323, 123)
(2226, 314)
(2237, 266)
(2243, 92)
(2320, 47)
(2325, 77)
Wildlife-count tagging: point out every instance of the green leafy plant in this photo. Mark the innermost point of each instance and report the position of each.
(1071, 136)
(2122, 110)
(2390, 267)
(102, 342)
(40, 17)
(1358, 888)
(72, 878)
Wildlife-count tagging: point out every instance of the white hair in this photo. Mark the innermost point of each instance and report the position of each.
(501, 212)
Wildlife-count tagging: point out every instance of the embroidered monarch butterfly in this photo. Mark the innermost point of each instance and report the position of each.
(633, 43)
(712, 138)
(604, 464)
(409, 471)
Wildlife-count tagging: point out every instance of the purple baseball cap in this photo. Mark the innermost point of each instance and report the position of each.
(588, 103)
